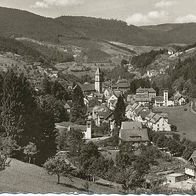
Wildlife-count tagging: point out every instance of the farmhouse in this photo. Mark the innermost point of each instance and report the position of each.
(132, 132)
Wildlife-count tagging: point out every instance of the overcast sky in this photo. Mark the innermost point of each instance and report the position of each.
(136, 12)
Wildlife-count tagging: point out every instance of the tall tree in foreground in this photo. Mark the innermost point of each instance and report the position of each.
(119, 112)
(17, 108)
(46, 138)
(78, 109)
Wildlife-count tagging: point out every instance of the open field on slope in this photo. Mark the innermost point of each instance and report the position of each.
(24, 177)
(184, 120)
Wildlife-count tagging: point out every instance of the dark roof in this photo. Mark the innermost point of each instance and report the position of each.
(131, 125)
(155, 118)
(150, 116)
(143, 90)
(103, 111)
(121, 84)
(133, 132)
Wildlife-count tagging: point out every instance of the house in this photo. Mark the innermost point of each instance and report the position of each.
(108, 93)
(133, 133)
(111, 102)
(101, 114)
(157, 122)
(86, 101)
(67, 126)
(149, 93)
(130, 111)
(145, 95)
(121, 84)
(67, 107)
(148, 119)
(130, 99)
(141, 114)
(175, 177)
(190, 168)
(179, 99)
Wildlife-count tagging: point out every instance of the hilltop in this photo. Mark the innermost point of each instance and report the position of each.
(18, 23)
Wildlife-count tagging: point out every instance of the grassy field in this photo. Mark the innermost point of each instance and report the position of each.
(25, 178)
(184, 120)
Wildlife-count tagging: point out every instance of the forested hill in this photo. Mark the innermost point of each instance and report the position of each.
(18, 23)
(111, 30)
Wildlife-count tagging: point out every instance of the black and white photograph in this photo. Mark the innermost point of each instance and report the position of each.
(98, 96)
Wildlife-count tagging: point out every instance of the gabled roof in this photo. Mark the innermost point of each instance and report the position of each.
(117, 93)
(103, 111)
(155, 118)
(133, 132)
(147, 90)
(150, 116)
(67, 106)
(131, 125)
(193, 157)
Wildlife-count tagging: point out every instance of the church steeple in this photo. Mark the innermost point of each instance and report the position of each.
(98, 82)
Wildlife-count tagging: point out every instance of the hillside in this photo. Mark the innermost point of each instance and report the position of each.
(174, 33)
(18, 23)
(26, 178)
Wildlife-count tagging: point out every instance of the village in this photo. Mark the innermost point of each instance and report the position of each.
(142, 113)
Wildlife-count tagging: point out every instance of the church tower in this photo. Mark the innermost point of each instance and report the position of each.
(98, 82)
(165, 96)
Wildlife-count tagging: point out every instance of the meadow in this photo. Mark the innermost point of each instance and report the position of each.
(184, 119)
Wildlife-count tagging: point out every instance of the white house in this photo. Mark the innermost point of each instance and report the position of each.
(159, 123)
(179, 99)
(112, 102)
(130, 111)
(108, 93)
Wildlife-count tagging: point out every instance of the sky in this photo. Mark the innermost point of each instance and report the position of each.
(135, 12)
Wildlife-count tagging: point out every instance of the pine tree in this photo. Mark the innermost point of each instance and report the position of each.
(78, 110)
(46, 137)
(17, 107)
(119, 112)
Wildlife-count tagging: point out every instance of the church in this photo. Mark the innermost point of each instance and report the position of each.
(96, 88)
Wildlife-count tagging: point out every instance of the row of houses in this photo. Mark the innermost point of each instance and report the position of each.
(154, 121)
